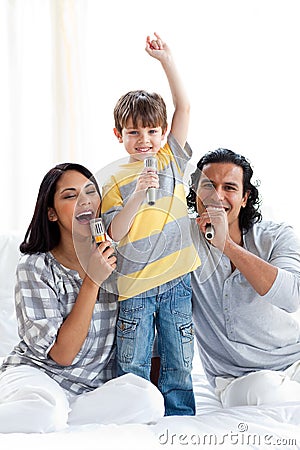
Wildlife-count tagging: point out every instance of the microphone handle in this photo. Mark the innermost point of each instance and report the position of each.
(151, 163)
(151, 196)
(209, 232)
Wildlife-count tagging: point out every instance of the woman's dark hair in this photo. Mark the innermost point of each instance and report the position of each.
(250, 214)
(43, 235)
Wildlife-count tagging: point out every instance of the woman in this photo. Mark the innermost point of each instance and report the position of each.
(59, 372)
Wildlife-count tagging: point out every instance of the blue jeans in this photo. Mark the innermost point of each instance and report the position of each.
(169, 307)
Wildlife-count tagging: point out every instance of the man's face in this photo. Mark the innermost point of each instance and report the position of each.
(221, 186)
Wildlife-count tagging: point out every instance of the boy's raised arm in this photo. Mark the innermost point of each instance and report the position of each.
(159, 50)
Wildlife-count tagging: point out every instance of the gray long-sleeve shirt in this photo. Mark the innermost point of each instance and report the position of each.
(237, 330)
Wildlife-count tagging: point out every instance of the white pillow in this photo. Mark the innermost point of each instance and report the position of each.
(9, 256)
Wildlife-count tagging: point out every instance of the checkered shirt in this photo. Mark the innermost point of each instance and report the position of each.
(45, 294)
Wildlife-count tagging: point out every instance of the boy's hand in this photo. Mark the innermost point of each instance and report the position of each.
(157, 48)
(146, 180)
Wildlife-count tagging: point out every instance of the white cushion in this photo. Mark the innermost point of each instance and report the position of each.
(9, 256)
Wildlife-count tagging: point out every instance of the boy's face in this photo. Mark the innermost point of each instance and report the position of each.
(140, 142)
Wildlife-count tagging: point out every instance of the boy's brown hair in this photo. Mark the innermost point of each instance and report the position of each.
(149, 108)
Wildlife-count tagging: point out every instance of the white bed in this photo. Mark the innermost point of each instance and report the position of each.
(273, 427)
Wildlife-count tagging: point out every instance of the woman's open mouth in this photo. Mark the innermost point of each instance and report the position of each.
(85, 216)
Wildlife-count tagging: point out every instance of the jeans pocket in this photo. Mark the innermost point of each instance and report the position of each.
(186, 282)
(187, 338)
(181, 304)
(126, 331)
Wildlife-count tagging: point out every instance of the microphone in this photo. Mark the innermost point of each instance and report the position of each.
(209, 232)
(97, 230)
(151, 163)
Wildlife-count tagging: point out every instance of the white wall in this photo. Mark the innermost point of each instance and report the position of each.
(239, 60)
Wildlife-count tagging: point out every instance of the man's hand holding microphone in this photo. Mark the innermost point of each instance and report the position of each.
(213, 223)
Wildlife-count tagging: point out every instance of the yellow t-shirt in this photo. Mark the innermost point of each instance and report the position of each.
(158, 247)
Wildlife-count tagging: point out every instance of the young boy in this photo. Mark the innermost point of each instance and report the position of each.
(155, 251)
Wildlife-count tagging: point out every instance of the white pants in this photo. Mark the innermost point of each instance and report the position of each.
(264, 387)
(31, 401)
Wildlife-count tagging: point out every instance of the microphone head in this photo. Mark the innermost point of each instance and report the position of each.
(97, 230)
(150, 162)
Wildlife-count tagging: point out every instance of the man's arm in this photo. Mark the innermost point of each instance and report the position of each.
(180, 121)
(259, 273)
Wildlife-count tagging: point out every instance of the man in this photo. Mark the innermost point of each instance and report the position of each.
(246, 289)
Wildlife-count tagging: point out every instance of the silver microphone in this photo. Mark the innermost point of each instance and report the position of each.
(151, 163)
(209, 232)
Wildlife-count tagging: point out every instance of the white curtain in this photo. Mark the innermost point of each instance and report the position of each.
(26, 107)
(68, 37)
(41, 86)
(64, 64)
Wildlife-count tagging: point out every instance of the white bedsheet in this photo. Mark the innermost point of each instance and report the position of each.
(275, 427)
(248, 427)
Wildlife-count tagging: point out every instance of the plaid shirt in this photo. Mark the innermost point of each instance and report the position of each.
(45, 294)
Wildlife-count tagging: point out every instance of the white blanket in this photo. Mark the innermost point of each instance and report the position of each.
(248, 427)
